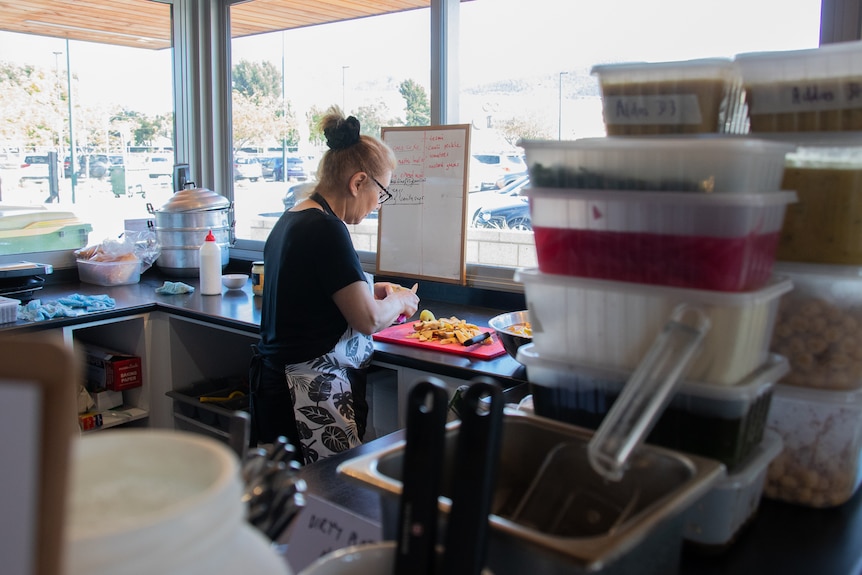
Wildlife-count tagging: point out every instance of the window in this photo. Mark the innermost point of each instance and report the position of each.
(523, 74)
(374, 68)
(117, 156)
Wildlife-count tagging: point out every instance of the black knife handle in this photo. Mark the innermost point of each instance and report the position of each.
(477, 456)
(427, 408)
(477, 338)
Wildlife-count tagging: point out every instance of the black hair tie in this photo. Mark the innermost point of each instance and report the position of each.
(343, 135)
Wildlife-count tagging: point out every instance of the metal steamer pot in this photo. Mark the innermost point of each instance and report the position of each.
(182, 224)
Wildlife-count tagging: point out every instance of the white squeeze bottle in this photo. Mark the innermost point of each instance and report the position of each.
(210, 266)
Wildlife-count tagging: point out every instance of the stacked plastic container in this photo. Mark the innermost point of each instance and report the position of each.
(663, 212)
(810, 99)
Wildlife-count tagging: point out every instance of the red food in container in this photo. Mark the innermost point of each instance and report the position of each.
(721, 242)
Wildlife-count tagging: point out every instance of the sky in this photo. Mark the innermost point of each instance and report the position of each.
(501, 39)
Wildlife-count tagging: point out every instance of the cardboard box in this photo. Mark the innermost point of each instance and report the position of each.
(112, 370)
(107, 399)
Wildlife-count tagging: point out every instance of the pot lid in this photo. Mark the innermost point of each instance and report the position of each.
(191, 199)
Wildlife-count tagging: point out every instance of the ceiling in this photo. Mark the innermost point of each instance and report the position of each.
(146, 24)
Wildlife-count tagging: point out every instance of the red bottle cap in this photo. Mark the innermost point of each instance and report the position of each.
(210, 237)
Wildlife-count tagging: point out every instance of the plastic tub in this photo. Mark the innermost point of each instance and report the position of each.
(729, 164)
(159, 501)
(724, 242)
(804, 90)
(822, 434)
(718, 517)
(612, 324)
(825, 226)
(8, 309)
(109, 273)
(722, 422)
(819, 326)
(692, 96)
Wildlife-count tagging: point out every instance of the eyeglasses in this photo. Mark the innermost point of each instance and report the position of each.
(383, 195)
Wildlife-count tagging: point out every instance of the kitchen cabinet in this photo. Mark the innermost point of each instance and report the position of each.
(200, 357)
(388, 395)
(127, 335)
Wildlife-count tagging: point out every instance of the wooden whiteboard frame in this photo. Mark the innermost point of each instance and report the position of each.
(397, 221)
(54, 369)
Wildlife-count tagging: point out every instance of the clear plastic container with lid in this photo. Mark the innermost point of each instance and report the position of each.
(804, 90)
(819, 326)
(694, 164)
(825, 225)
(611, 324)
(682, 97)
(822, 434)
(723, 242)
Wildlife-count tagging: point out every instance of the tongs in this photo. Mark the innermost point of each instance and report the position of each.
(273, 493)
(476, 459)
(647, 391)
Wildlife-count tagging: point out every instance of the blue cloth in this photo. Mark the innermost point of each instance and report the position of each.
(70, 306)
(172, 288)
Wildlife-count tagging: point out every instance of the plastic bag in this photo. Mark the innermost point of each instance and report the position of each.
(140, 245)
(146, 246)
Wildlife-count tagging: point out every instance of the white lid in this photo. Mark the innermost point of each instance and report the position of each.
(777, 286)
(721, 143)
(838, 60)
(747, 390)
(674, 198)
(704, 68)
(814, 396)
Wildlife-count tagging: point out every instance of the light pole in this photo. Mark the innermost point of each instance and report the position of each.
(59, 100)
(343, 68)
(560, 110)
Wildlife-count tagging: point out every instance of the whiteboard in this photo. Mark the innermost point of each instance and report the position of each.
(421, 230)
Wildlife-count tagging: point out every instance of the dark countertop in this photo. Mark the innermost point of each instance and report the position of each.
(781, 538)
(239, 309)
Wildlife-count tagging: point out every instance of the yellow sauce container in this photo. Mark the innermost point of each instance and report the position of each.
(257, 278)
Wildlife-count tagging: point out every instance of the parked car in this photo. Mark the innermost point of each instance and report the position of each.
(267, 167)
(504, 209)
(274, 168)
(34, 167)
(161, 166)
(296, 193)
(247, 168)
(486, 169)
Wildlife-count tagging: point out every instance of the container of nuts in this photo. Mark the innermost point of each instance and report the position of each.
(819, 326)
(822, 435)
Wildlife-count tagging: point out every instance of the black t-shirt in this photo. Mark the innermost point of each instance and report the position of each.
(308, 256)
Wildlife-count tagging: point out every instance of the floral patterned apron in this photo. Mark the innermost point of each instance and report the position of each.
(323, 397)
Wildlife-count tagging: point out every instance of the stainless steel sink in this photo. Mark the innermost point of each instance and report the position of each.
(552, 513)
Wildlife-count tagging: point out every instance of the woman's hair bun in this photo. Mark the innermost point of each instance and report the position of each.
(343, 134)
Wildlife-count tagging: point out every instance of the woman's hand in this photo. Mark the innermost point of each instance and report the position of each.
(369, 314)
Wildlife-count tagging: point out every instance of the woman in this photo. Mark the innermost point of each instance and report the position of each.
(319, 307)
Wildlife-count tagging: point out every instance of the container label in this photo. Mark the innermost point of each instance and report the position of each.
(805, 97)
(666, 109)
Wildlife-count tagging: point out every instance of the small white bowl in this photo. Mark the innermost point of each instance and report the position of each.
(234, 281)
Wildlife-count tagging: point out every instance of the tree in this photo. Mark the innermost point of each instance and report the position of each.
(372, 117)
(528, 128)
(260, 116)
(417, 103)
(257, 80)
(313, 117)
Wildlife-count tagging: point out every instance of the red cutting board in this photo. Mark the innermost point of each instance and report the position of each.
(396, 334)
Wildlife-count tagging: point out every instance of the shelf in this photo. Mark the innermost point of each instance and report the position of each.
(119, 416)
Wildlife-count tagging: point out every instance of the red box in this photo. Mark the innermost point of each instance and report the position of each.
(115, 371)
